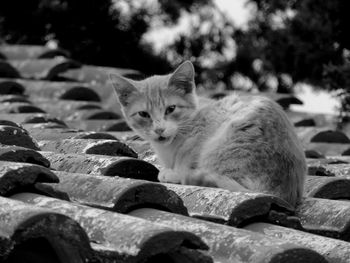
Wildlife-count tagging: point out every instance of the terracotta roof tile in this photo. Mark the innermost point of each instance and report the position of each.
(332, 249)
(103, 189)
(43, 68)
(10, 135)
(10, 86)
(88, 146)
(230, 244)
(89, 73)
(26, 229)
(232, 208)
(117, 193)
(8, 71)
(12, 153)
(102, 165)
(129, 237)
(16, 176)
(327, 187)
(325, 217)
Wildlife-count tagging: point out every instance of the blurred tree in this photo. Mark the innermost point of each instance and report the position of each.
(288, 41)
(102, 32)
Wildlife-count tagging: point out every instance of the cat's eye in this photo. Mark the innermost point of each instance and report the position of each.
(144, 114)
(170, 109)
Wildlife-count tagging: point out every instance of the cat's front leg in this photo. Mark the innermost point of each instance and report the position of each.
(167, 175)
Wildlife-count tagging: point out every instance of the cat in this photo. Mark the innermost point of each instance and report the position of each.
(239, 143)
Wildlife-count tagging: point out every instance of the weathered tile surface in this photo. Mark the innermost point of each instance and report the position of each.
(76, 129)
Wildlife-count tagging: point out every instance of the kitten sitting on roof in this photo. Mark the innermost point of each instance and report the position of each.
(240, 143)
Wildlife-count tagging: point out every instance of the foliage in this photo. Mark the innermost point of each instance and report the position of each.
(95, 31)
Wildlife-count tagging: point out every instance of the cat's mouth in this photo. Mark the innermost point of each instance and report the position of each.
(163, 139)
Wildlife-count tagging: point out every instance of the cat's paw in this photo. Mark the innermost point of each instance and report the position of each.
(201, 178)
(169, 176)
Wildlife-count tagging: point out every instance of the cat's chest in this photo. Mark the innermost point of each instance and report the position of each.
(166, 155)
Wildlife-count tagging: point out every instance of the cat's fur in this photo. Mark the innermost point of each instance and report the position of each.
(237, 143)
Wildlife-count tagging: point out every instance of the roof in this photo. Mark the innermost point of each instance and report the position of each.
(77, 185)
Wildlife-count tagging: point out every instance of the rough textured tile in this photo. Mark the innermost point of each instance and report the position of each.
(335, 251)
(102, 165)
(118, 194)
(15, 176)
(230, 244)
(130, 237)
(325, 217)
(327, 187)
(10, 135)
(22, 155)
(232, 208)
(43, 68)
(25, 227)
(88, 146)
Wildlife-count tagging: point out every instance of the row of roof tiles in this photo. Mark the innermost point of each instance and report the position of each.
(76, 182)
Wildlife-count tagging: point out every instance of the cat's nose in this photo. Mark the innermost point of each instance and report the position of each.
(159, 131)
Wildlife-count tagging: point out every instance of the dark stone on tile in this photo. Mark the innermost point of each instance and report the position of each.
(8, 86)
(22, 52)
(325, 217)
(305, 123)
(10, 135)
(129, 237)
(88, 146)
(333, 250)
(43, 68)
(22, 155)
(330, 137)
(40, 235)
(8, 71)
(231, 208)
(230, 244)
(103, 165)
(118, 194)
(15, 177)
(327, 187)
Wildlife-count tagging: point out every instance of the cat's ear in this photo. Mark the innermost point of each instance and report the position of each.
(183, 77)
(123, 87)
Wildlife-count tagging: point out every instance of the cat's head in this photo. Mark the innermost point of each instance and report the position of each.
(158, 108)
